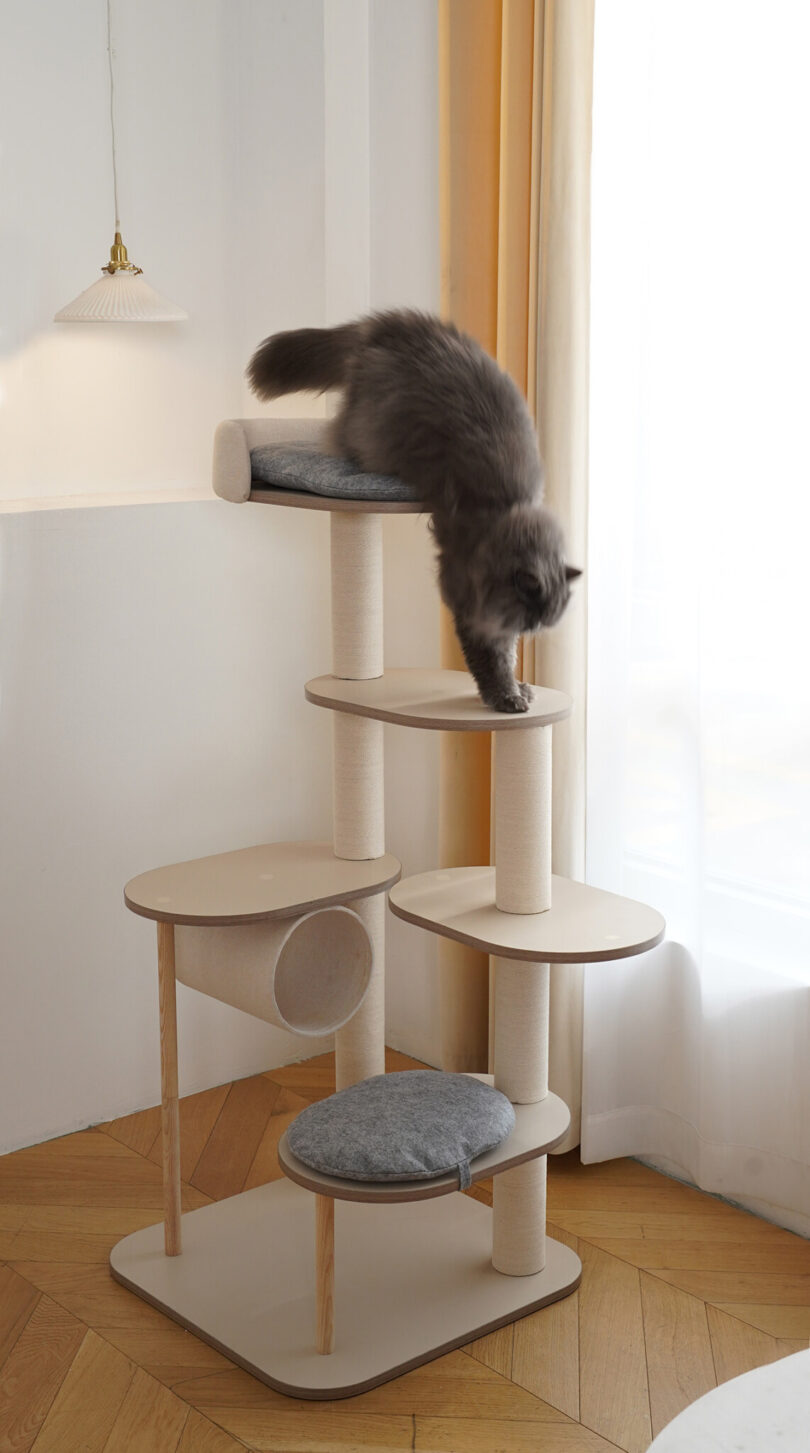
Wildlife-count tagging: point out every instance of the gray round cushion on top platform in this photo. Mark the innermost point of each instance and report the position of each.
(405, 1126)
(297, 467)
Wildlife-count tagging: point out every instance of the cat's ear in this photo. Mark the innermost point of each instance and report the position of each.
(527, 586)
(571, 572)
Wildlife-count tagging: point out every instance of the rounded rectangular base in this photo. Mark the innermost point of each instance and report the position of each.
(411, 1282)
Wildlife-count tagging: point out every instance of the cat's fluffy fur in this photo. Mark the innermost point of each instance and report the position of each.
(424, 401)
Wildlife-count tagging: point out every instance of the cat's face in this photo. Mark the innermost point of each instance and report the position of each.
(529, 585)
(526, 601)
(543, 595)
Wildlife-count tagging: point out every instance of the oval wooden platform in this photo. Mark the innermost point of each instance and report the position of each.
(273, 880)
(302, 501)
(538, 1128)
(583, 925)
(436, 700)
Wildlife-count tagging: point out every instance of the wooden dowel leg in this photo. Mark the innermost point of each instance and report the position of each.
(170, 1117)
(325, 1273)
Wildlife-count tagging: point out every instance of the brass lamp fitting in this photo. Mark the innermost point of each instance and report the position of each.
(119, 262)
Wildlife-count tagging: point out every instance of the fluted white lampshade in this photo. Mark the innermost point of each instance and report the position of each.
(120, 297)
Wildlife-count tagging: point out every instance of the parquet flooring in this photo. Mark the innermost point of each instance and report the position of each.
(679, 1292)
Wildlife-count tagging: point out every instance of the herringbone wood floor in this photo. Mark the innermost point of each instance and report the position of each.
(679, 1292)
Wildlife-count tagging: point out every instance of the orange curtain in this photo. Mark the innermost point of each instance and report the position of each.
(515, 123)
(490, 68)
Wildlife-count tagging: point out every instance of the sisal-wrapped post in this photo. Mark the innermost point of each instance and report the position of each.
(358, 787)
(521, 1030)
(357, 595)
(522, 885)
(523, 820)
(360, 1044)
(519, 1219)
(521, 1072)
(358, 766)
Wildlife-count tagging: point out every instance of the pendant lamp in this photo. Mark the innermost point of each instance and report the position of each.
(121, 294)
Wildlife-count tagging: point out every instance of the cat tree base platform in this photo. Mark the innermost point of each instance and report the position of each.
(411, 1281)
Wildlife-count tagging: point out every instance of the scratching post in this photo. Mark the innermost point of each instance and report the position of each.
(357, 791)
(523, 820)
(522, 885)
(360, 1044)
(519, 1219)
(359, 833)
(521, 1072)
(521, 1030)
(357, 596)
(358, 767)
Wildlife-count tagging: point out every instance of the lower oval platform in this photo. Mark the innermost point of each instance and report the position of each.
(538, 1128)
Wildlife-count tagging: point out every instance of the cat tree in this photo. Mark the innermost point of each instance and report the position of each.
(258, 1275)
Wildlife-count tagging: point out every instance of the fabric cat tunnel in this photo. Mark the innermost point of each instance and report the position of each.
(307, 974)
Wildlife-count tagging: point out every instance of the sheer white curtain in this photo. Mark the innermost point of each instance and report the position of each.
(697, 1055)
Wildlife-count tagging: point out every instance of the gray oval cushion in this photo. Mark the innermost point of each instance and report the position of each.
(404, 1126)
(299, 467)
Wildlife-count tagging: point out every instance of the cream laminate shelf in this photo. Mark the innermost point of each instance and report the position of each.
(410, 1283)
(436, 700)
(292, 499)
(273, 880)
(583, 925)
(538, 1128)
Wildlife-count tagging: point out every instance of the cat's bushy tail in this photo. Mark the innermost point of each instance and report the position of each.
(306, 358)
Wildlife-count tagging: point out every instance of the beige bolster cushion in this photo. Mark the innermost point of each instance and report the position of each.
(234, 439)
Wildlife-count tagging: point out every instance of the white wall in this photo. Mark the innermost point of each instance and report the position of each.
(152, 655)
(124, 408)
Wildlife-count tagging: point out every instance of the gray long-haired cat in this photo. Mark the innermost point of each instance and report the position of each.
(423, 401)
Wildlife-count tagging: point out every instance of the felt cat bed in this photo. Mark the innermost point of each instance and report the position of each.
(405, 1126)
(298, 467)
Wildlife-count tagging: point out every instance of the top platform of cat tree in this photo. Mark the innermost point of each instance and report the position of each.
(233, 441)
(260, 494)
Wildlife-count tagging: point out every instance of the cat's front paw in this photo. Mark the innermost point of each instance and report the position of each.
(526, 690)
(509, 701)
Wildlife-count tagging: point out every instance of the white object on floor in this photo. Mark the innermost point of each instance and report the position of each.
(763, 1411)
